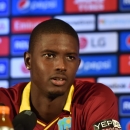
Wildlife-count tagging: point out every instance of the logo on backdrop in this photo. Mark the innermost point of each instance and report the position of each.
(125, 123)
(26, 24)
(19, 44)
(83, 42)
(113, 21)
(4, 7)
(4, 46)
(4, 68)
(124, 67)
(36, 7)
(116, 84)
(23, 4)
(98, 42)
(124, 105)
(97, 65)
(124, 5)
(80, 22)
(4, 25)
(128, 41)
(125, 41)
(4, 83)
(128, 126)
(18, 69)
(90, 5)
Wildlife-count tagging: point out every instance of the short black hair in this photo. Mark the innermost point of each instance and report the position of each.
(51, 26)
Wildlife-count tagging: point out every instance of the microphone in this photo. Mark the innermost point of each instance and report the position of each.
(26, 120)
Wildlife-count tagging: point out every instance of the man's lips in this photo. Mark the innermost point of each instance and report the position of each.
(58, 81)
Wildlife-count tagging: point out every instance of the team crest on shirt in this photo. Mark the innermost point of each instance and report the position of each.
(64, 123)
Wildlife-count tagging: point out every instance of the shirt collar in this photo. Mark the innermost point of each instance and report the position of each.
(25, 103)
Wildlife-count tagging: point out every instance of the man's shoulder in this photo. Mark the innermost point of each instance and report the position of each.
(12, 97)
(15, 89)
(85, 91)
(89, 86)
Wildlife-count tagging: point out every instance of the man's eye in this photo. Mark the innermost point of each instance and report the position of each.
(49, 55)
(70, 57)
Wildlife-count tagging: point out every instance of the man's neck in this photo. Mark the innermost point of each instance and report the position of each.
(46, 109)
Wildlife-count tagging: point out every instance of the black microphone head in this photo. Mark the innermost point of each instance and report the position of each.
(26, 120)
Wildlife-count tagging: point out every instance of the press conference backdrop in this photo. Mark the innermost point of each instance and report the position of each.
(103, 27)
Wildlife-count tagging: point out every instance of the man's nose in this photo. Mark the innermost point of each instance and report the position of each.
(60, 64)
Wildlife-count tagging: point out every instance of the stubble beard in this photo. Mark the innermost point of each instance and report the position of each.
(53, 95)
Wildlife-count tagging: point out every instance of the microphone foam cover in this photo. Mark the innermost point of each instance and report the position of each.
(27, 119)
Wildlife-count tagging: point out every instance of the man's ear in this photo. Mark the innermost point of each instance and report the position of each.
(27, 60)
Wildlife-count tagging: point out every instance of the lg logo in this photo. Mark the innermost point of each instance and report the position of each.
(92, 42)
(101, 42)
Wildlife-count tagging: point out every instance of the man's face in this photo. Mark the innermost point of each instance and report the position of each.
(53, 63)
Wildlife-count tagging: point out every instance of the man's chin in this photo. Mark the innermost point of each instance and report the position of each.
(53, 95)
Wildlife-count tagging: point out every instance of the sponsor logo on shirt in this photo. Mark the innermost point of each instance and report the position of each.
(18, 69)
(4, 84)
(19, 44)
(4, 46)
(125, 123)
(90, 5)
(4, 7)
(125, 64)
(116, 84)
(109, 124)
(98, 42)
(4, 25)
(34, 7)
(124, 105)
(26, 25)
(113, 21)
(124, 5)
(79, 22)
(125, 41)
(4, 68)
(97, 65)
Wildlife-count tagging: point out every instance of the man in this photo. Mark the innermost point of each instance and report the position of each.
(59, 101)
